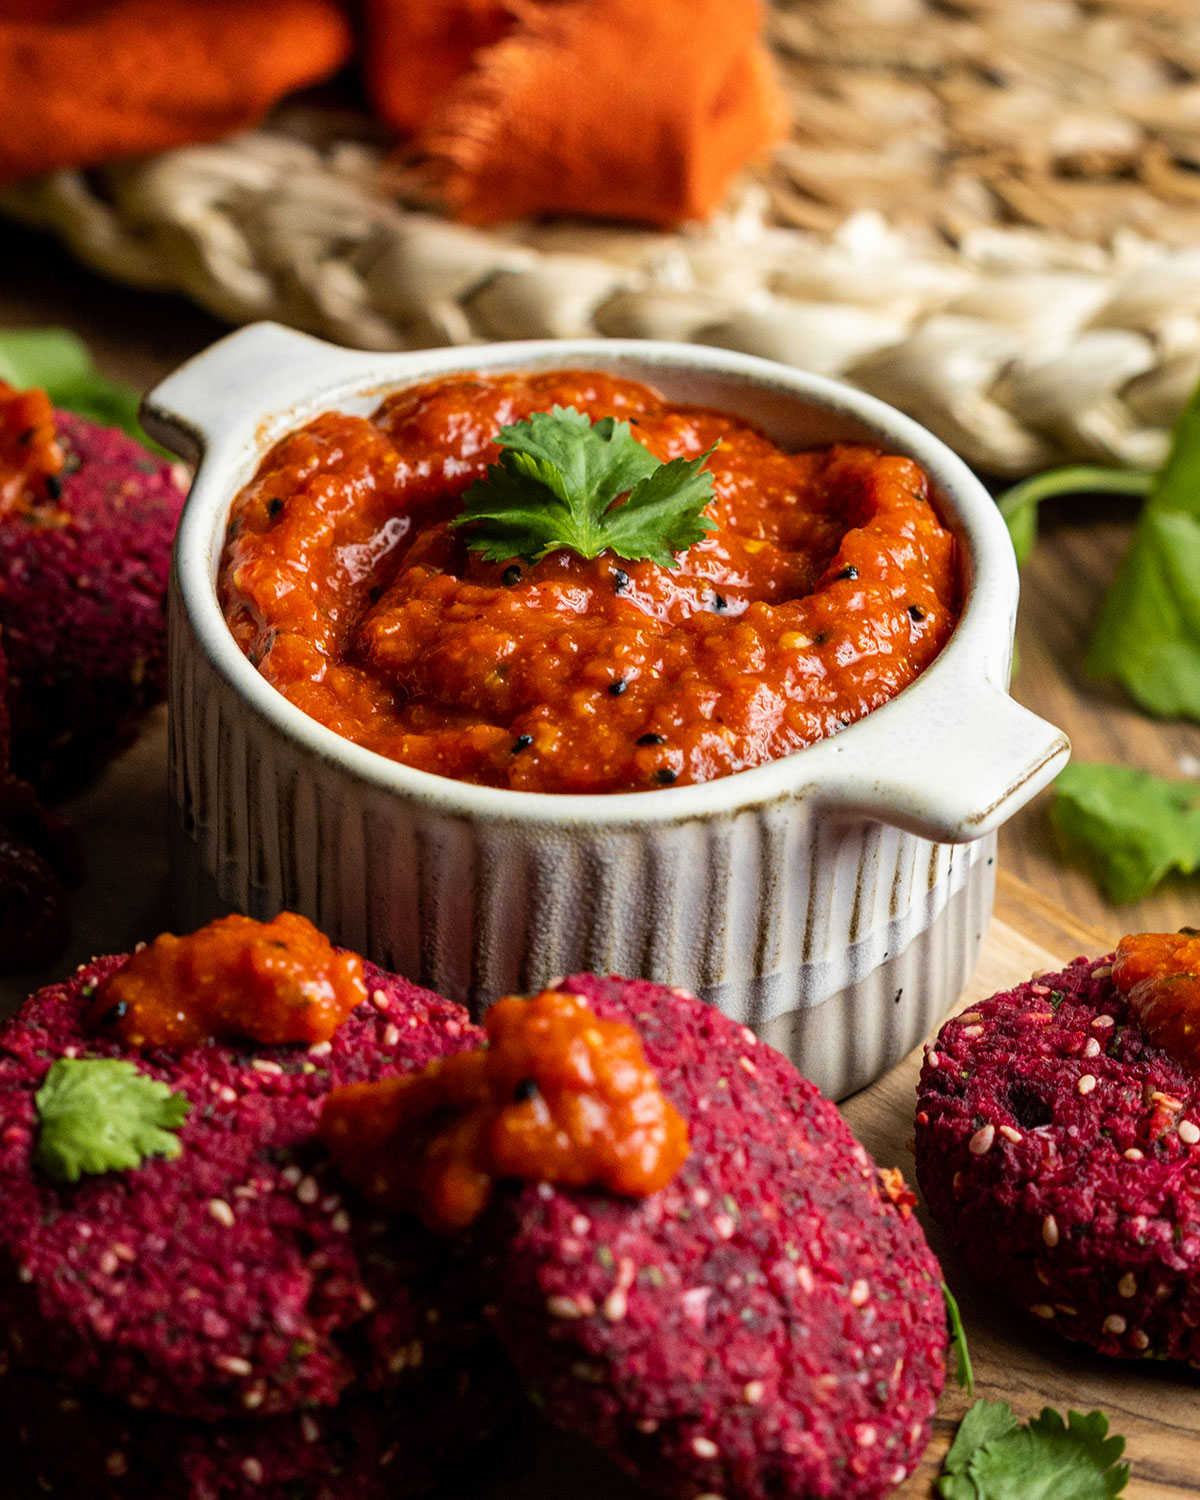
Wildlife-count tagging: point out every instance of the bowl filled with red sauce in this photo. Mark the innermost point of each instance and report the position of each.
(634, 657)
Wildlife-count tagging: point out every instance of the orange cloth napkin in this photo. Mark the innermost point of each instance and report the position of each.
(82, 81)
(625, 109)
(634, 109)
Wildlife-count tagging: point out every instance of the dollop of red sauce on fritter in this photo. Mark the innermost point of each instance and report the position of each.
(268, 982)
(1159, 972)
(31, 458)
(558, 1095)
(828, 585)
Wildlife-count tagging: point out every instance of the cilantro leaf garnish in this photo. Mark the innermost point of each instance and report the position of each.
(963, 1372)
(555, 485)
(1128, 828)
(985, 1422)
(994, 1457)
(99, 1114)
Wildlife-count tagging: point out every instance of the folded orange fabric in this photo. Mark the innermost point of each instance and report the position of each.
(83, 82)
(633, 109)
(627, 109)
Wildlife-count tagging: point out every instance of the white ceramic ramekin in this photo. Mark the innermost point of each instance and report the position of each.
(835, 900)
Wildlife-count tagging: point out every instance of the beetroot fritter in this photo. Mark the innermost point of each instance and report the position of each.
(1061, 1150)
(389, 1447)
(39, 857)
(83, 581)
(769, 1326)
(230, 1280)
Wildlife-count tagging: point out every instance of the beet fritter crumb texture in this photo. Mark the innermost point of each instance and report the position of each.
(231, 1281)
(39, 857)
(73, 1443)
(1061, 1150)
(768, 1325)
(82, 605)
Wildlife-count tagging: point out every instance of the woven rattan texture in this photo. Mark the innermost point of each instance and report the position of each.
(984, 215)
(1077, 116)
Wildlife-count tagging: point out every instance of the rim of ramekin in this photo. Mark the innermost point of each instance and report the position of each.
(980, 643)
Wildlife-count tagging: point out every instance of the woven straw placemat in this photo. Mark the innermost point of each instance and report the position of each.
(988, 214)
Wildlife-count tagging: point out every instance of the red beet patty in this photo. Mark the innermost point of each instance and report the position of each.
(769, 1325)
(71, 1442)
(82, 605)
(231, 1280)
(1061, 1151)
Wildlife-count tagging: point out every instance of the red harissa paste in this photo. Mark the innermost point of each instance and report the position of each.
(828, 586)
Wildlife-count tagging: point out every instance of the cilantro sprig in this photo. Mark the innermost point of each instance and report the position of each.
(555, 485)
(99, 1114)
(963, 1373)
(1147, 635)
(995, 1457)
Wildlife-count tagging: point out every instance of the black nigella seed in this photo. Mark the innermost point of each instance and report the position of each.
(820, 638)
(719, 602)
(525, 1090)
(915, 612)
(620, 579)
(618, 687)
(511, 576)
(522, 742)
(849, 571)
(274, 506)
(665, 775)
(651, 739)
(54, 486)
(26, 437)
(114, 1013)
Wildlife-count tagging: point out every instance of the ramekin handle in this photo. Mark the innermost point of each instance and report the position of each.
(950, 767)
(230, 388)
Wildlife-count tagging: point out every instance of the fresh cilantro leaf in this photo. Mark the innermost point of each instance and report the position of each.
(1148, 632)
(1019, 505)
(99, 1114)
(664, 513)
(555, 485)
(984, 1423)
(1052, 1460)
(1127, 827)
(958, 1339)
(996, 1458)
(57, 362)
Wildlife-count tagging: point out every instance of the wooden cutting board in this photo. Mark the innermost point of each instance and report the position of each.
(1157, 1409)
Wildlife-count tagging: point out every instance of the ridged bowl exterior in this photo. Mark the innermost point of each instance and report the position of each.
(835, 901)
(841, 940)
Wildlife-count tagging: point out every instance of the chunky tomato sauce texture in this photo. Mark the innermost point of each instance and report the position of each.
(828, 585)
(555, 1095)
